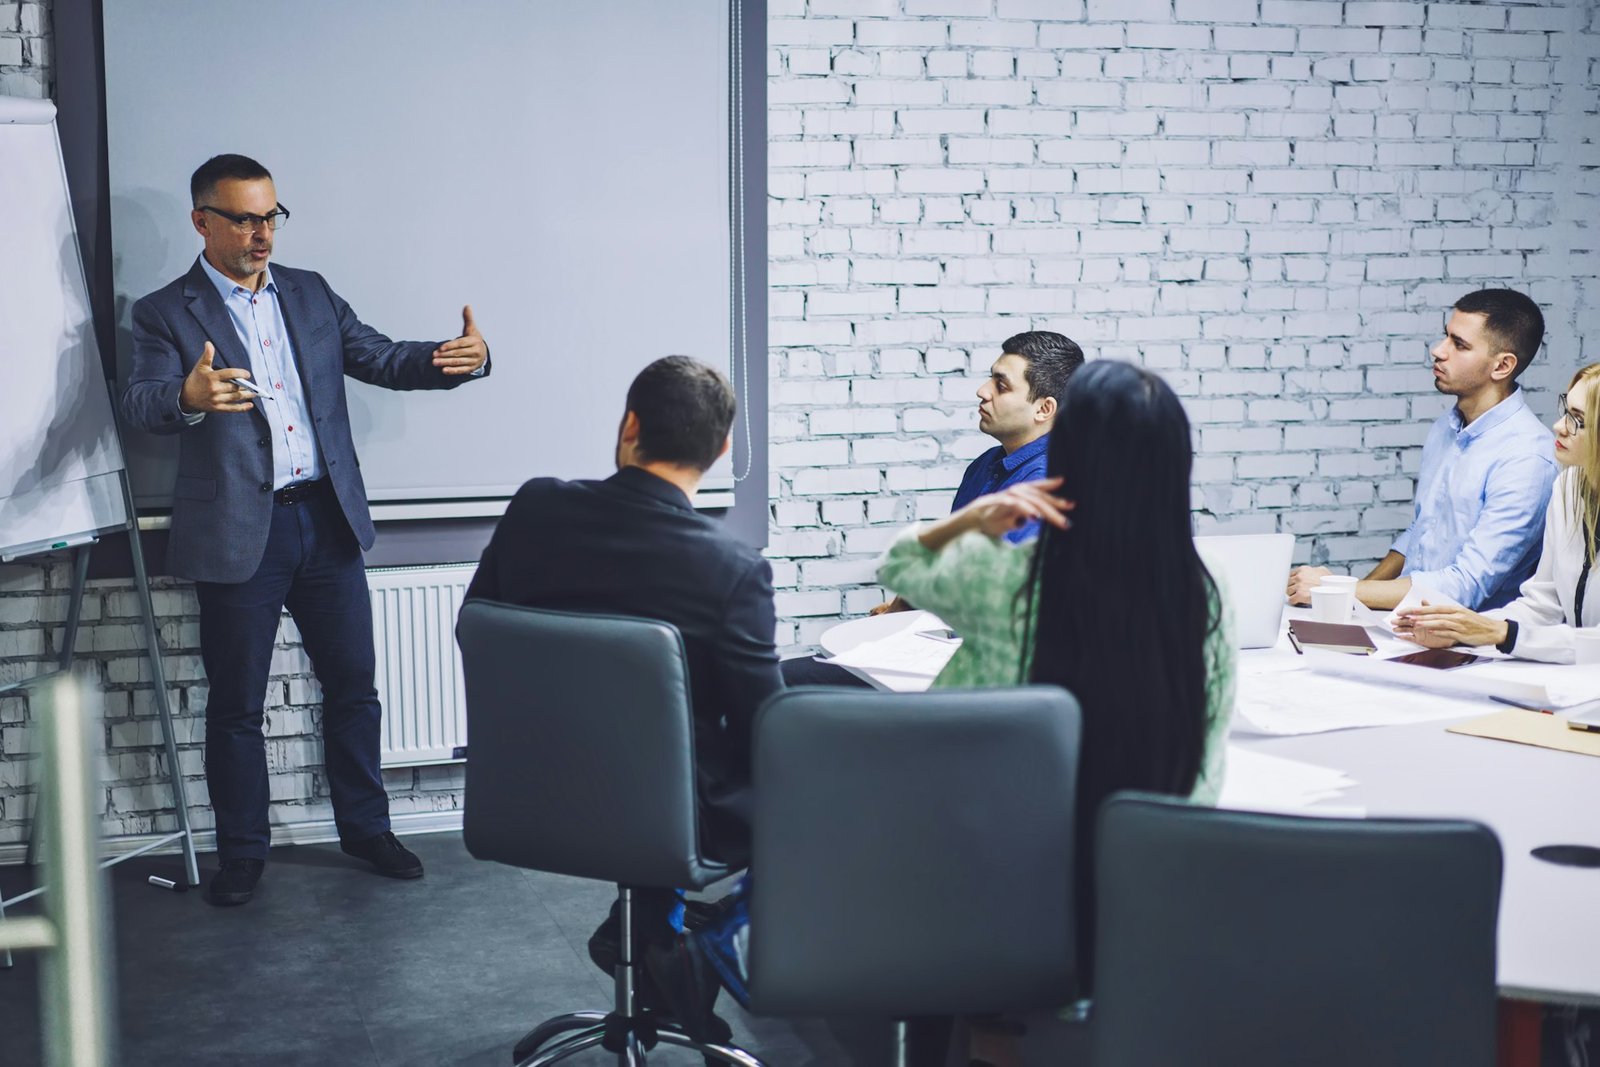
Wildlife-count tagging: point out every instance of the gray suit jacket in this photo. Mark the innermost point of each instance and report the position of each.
(222, 499)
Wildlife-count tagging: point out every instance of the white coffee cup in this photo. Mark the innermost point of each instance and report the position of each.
(1338, 581)
(1586, 645)
(1332, 604)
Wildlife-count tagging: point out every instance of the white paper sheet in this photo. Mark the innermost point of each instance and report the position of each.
(914, 652)
(1292, 702)
(1536, 685)
(1257, 781)
(1414, 598)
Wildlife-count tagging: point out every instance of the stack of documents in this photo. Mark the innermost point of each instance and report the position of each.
(1256, 781)
(1542, 686)
(1284, 702)
(906, 661)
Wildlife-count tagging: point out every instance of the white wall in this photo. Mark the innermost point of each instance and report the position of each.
(1270, 201)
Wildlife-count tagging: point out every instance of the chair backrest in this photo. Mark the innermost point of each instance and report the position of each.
(1226, 938)
(580, 746)
(913, 853)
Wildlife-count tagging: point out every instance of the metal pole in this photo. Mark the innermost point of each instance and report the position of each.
(76, 983)
(6, 936)
(69, 646)
(158, 676)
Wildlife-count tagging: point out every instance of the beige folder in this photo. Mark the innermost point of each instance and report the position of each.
(1531, 728)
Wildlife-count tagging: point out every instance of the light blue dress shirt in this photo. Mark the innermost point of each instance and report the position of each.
(258, 320)
(1482, 492)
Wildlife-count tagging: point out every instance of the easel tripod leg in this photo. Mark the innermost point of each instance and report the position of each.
(158, 676)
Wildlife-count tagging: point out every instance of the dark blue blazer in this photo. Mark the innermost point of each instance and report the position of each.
(634, 545)
(222, 499)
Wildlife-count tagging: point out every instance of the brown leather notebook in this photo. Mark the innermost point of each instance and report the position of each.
(1331, 637)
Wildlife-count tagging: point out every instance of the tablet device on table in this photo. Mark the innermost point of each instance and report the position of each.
(1443, 659)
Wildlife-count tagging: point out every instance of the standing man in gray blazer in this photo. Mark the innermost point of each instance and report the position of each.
(246, 364)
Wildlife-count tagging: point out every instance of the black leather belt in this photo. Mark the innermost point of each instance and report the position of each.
(299, 491)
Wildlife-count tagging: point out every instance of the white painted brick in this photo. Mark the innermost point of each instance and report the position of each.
(990, 150)
(1388, 13)
(994, 64)
(874, 93)
(1158, 36)
(838, 572)
(1130, 10)
(1213, 11)
(921, 180)
(814, 482)
(1519, 45)
(1040, 10)
(990, 34)
(1000, 92)
(1302, 12)
(1343, 40)
(855, 8)
(811, 602)
(1255, 39)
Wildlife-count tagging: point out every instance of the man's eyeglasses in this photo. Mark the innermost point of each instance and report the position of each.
(1573, 422)
(247, 223)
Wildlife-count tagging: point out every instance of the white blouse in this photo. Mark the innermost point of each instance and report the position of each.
(1544, 612)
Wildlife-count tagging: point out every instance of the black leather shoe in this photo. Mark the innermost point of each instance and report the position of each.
(235, 882)
(386, 854)
(686, 981)
(605, 944)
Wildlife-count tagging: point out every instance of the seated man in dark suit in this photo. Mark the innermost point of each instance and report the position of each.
(634, 545)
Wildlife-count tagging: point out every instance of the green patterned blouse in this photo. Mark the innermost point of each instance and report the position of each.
(972, 585)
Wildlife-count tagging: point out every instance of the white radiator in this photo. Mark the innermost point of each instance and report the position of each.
(419, 667)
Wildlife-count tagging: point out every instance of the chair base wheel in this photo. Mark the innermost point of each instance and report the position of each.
(565, 1035)
(560, 1024)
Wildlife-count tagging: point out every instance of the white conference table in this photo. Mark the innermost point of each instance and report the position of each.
(1549, 936)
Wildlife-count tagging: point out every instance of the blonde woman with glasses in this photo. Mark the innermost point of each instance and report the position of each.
(1563, 593)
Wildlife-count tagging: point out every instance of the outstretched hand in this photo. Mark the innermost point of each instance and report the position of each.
(466, 353)
(207, 388)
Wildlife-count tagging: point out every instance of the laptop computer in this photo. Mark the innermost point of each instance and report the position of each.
(1253, 569)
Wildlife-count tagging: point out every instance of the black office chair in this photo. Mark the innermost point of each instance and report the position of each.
(1227, 938)
(913, 853)
(582, 763)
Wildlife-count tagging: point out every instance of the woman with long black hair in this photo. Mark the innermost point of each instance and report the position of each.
(1112, 602)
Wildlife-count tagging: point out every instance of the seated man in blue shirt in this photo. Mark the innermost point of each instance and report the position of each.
(1486, 473)
(1017, 405)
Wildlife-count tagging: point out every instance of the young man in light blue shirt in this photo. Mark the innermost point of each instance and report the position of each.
(1486, 473)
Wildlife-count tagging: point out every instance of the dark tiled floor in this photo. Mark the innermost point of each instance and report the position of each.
(332, 965)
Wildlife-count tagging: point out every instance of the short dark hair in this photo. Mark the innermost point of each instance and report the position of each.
(1514, 322)
(203, 182)
(1052, 359)
(685, 409)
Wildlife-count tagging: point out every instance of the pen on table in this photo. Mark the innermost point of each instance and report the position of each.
(1297, 649)
(1520, 704)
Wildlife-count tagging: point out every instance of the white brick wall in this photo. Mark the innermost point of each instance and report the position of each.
(1269, 201)
(24, 49)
